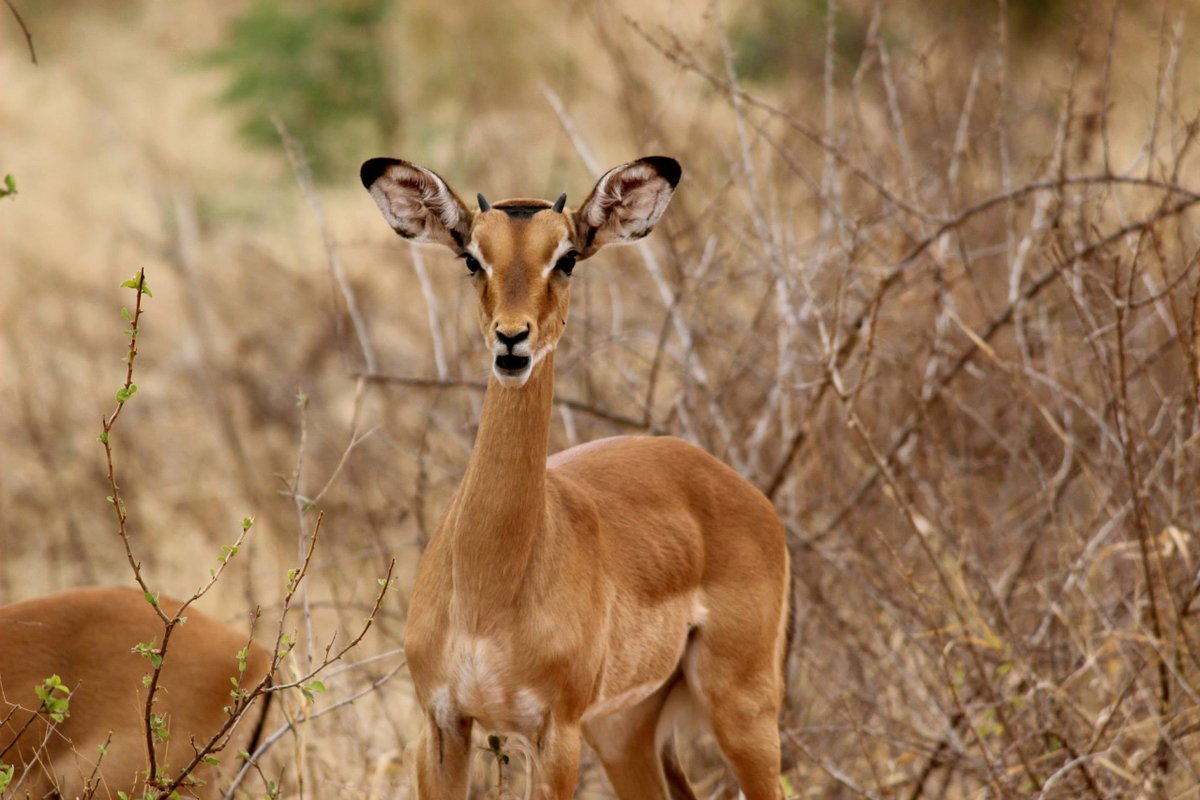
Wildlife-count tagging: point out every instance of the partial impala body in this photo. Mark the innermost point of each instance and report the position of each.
(85, 636)
(595, 594)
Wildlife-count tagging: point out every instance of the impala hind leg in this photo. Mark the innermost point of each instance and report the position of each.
(737, 678)
(442, 761)
(629, 746)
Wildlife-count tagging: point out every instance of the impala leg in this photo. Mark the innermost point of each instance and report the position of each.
(747, 730)
(738, 681)
(626, 744)
(557, 769)
(442, 762)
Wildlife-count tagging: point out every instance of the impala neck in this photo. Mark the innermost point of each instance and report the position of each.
(500, 510)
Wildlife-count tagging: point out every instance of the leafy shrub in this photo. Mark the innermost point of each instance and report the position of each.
(319, 66)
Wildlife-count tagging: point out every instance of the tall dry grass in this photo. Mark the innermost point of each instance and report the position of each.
(933, 288)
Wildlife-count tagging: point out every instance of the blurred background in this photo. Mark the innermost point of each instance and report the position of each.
(929, 281)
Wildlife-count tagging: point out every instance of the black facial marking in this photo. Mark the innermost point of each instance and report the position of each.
(521, 211)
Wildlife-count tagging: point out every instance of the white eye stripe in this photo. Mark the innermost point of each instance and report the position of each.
(563, 248)
(475, 253)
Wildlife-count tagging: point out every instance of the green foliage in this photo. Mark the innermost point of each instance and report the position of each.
(55, 698)
(10, 187)
(150, 652)
(6, 775)
(775, 39)
(158, 727)
(311, 690)
(137, 282)
(319, 66)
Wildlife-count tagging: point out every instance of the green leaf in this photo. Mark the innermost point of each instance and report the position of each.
(310, 690)
(151, 599)
(135, 281)
(213, 760)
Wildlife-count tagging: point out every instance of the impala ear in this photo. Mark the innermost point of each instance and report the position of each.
(416, 202)
(626, 203)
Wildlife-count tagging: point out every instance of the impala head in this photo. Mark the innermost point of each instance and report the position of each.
(520, 253)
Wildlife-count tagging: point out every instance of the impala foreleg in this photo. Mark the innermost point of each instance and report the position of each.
(442, 761)
(557, 766)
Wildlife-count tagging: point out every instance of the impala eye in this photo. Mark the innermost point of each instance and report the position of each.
(566, 263)
(472, 263)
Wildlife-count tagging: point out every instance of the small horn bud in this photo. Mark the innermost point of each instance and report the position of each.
(484, 205)
(560, 203)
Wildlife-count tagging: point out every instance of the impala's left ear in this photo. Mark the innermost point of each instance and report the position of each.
(626, 203)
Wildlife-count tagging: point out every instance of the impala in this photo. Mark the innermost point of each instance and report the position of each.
(85, 637)
(599, 593)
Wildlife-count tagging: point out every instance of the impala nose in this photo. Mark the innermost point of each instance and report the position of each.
(512, 340)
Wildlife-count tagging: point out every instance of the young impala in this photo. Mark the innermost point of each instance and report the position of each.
(85, 637)
(597, 593)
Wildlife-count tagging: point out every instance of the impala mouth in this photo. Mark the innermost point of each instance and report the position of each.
(511, 364)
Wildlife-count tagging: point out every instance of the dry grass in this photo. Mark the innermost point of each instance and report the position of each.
(935, 292)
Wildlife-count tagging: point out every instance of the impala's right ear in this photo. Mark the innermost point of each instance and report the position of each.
(416, 202)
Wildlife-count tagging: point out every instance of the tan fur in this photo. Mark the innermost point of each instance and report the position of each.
(573, 597)
(85, 636)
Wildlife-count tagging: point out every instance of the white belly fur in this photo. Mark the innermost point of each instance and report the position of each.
(484, 688)
(483, 685)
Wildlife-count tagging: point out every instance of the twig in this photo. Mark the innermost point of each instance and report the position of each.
(303, 175)
(24, 30)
